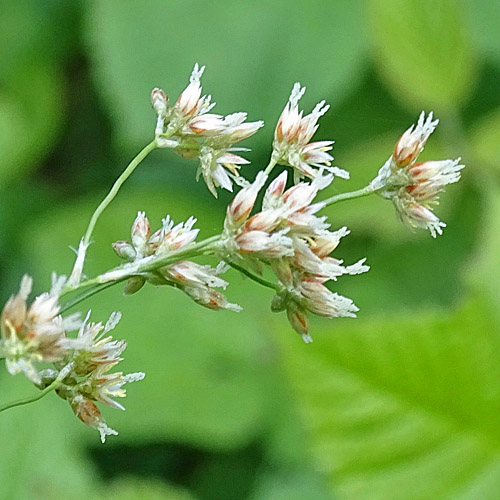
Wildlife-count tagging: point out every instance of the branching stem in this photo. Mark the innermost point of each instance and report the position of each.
(255, 278)
(54, 385)
(367, 190)
(116, 187)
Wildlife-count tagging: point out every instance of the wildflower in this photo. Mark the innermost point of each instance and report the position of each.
(91, 348)
(32, 334)
(292, 135)
(414, 187)
(100, 387)
(197, 281)
(193, 132)
(217, 166)
(296, 243)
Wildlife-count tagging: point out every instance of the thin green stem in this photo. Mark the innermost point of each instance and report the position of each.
(87, 294)
(32, 399)
(255, 278)
(367, 190)
(271, 165)
(116, 187)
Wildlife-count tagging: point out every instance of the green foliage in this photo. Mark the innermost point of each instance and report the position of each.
(31, 87)
(254, 52)
(485, 140)
(482, 18)
(134, 489)
(404, 407)
(39, 458)
(424, 51)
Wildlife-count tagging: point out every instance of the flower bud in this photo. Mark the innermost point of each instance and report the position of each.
(412, 142)
(159, 101)
(275, 191)
(140, 232)
(90, 415)
(124, 250)
(133, 285)
(241, 206)
(297, 316)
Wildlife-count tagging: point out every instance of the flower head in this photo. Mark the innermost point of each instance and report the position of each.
(415, 187)
(33, 334)
(296, 243)
(193, 132)
(292, 137)
(92, 348)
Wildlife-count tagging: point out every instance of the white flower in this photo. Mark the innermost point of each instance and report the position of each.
(31, 335)
(412, 142)
(225, 131)
(292, 135)
(169, 238)
(190, 103)
(91, 348)
(415, 187)
(288, 236)
(193, 132)
(198, 282)
(217, 166)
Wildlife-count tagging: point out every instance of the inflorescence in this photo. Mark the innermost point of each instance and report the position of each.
(285, 238)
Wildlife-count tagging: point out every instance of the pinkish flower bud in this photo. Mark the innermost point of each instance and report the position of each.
(297, 316)
(241, 206)
(210, 298)
(275, 191)
(264, 221)
(140, 231)
(265, 245)
(159, 101)
(86, 411)
(412, 142)
(90, 415)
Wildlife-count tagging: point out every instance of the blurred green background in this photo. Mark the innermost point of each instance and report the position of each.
(402, 403)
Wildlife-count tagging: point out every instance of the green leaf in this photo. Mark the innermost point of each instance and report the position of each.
(483, 20)
(31, 103)
(254, 52)
(485, 140)
(206, 377)
(423, 49)
(291, 485)
(482, 272)
(140, 489)
(404, 408)
(39, 458)
(28, 125)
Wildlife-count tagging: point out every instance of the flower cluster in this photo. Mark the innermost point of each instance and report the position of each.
(37, 334)
(288, 236)
(192, 131)
(292, 135)
(33, 334)
(198, 281)
(414, 187)
(92, 354)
